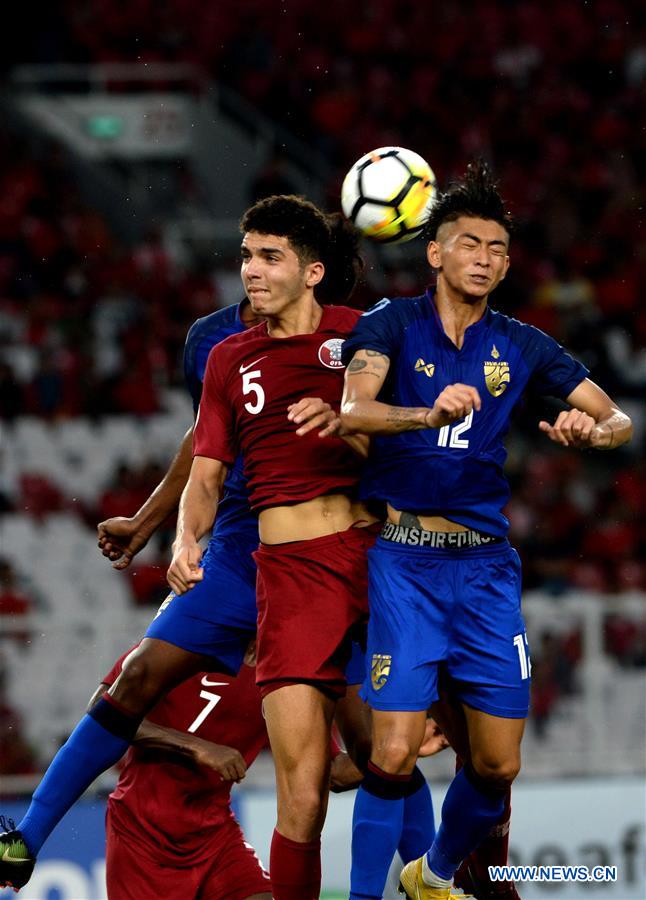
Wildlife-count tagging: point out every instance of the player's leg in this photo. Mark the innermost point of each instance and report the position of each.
(399, 687)
(477, 795)
(353, 718)
(490, 671)
(473, 874)
(299, 719)
(311, 595)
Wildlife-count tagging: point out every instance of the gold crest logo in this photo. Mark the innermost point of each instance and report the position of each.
(380, 669)
(496, 377)
(494, 352)
(426, 368)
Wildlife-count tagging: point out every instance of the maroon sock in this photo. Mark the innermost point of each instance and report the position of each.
(493, 850)
(295, 868)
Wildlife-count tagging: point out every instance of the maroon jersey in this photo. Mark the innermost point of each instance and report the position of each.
(251, 379)
(165, 801)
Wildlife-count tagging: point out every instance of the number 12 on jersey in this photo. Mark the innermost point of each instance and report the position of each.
(449, 435)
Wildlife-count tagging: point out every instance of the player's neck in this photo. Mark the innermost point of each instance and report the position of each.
(303, 317)
(457, 313)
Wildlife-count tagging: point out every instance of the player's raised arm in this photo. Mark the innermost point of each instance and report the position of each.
(197, 510)
(594, 420)
(362, 413)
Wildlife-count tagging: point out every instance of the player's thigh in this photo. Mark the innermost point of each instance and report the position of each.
(236, 873)
(131, 875)
(152, 670)
(494, 742)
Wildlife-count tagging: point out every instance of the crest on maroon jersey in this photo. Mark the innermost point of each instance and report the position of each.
(330, 353)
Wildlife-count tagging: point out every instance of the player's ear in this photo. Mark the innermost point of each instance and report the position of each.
(433, 254)
(506, 267)
(314, 273)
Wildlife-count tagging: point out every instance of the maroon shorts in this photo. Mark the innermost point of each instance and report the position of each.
(229, 870)
(312, 598)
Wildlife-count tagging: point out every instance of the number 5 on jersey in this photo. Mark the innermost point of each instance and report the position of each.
(251, 386)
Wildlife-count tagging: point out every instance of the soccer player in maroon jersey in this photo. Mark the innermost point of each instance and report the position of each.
(170, 829)
(314, 533)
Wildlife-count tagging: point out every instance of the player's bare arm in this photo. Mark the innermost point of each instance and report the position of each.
(362, 413)
(122, 537)
(226, 761)
(594, 420)
(197, 509)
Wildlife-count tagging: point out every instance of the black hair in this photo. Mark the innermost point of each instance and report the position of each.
(476, 195)
(314, 237)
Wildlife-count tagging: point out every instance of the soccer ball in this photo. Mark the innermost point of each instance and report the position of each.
(388, 194)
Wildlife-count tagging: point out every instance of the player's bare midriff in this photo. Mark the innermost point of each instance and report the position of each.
(428, 523)
(327, 514)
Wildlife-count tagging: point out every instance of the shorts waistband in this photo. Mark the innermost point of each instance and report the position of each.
(437, 540)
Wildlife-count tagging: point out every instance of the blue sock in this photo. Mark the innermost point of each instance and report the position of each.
(419, 822)
(471, 808)
(99, 740)
(376, 829)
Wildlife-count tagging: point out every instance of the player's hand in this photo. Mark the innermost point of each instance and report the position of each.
(184, 571)
(226, 761)
(574, 428)
(344, 775)
(312, 412)
(434, 740)
(455, 402)
(120, 539)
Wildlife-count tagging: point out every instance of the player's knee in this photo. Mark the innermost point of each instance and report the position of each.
(394, 754)
(137, 687)
(301, 814)
(497, 770)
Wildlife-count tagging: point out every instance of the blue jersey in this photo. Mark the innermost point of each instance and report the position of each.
(234, 514)
(455, 471)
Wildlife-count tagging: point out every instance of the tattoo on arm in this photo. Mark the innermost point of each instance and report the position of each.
(359, 367)
(403, 418)
(409, 520)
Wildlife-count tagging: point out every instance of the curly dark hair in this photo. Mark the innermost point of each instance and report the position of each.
(314, 236)
(476, 194)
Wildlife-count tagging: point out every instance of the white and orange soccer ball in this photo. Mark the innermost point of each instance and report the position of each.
(388, 194)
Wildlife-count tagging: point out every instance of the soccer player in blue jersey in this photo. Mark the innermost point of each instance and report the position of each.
(433, 379)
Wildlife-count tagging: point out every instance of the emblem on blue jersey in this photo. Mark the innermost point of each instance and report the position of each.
(380, 669)
(426, 368)
(496, 375)
(330, 353)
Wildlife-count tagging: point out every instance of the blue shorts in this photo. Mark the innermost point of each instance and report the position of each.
(217, 617)
(460, 608)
